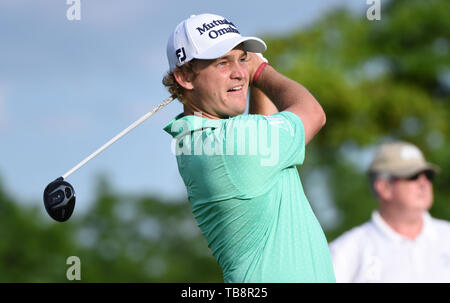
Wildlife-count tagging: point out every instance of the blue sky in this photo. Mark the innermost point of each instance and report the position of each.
(67, 87)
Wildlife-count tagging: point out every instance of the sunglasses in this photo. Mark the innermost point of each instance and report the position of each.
(429, 174)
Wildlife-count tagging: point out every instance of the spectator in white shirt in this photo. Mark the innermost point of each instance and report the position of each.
(401, 242)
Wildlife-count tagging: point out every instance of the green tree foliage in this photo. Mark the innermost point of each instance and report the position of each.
(121, 239)
(376, 80)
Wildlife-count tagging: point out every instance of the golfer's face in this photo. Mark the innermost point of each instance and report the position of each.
(413, 194)
(220, 88)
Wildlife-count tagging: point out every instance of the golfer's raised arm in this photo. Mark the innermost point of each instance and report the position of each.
(260, 103)
(288, 95)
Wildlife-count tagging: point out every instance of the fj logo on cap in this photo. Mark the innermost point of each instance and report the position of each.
(181, 54)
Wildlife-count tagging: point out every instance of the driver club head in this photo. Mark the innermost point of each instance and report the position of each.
(59, 199)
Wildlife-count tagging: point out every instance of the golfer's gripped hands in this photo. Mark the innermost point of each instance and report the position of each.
(254, 60)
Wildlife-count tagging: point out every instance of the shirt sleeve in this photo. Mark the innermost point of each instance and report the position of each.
(262, 146)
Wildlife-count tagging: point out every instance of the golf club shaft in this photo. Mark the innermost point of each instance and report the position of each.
(118, 136)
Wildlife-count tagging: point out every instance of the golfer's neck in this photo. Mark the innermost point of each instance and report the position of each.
(195, 111)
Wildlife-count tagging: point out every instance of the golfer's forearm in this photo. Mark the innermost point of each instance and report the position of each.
(260, 103)
(284, 92)
(288, 95)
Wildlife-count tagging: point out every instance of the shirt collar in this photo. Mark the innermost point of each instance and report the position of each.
(427, 230)
(181, 124)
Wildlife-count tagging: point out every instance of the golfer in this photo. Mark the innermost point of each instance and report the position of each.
(240, 169)
(401, 242)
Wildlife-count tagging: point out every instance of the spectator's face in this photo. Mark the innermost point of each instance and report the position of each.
(412, 194)
(220, 86)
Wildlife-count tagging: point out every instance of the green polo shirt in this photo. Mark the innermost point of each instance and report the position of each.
(241, 178)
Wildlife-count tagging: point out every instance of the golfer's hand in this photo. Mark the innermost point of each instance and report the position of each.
(254, 61)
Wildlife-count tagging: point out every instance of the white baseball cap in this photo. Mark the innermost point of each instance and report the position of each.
(207, 36)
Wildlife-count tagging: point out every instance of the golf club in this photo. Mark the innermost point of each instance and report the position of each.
(59, 195)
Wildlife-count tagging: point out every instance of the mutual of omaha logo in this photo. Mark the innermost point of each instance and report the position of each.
(213, 32)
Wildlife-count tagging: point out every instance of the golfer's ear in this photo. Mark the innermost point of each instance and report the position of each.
(184, 78)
